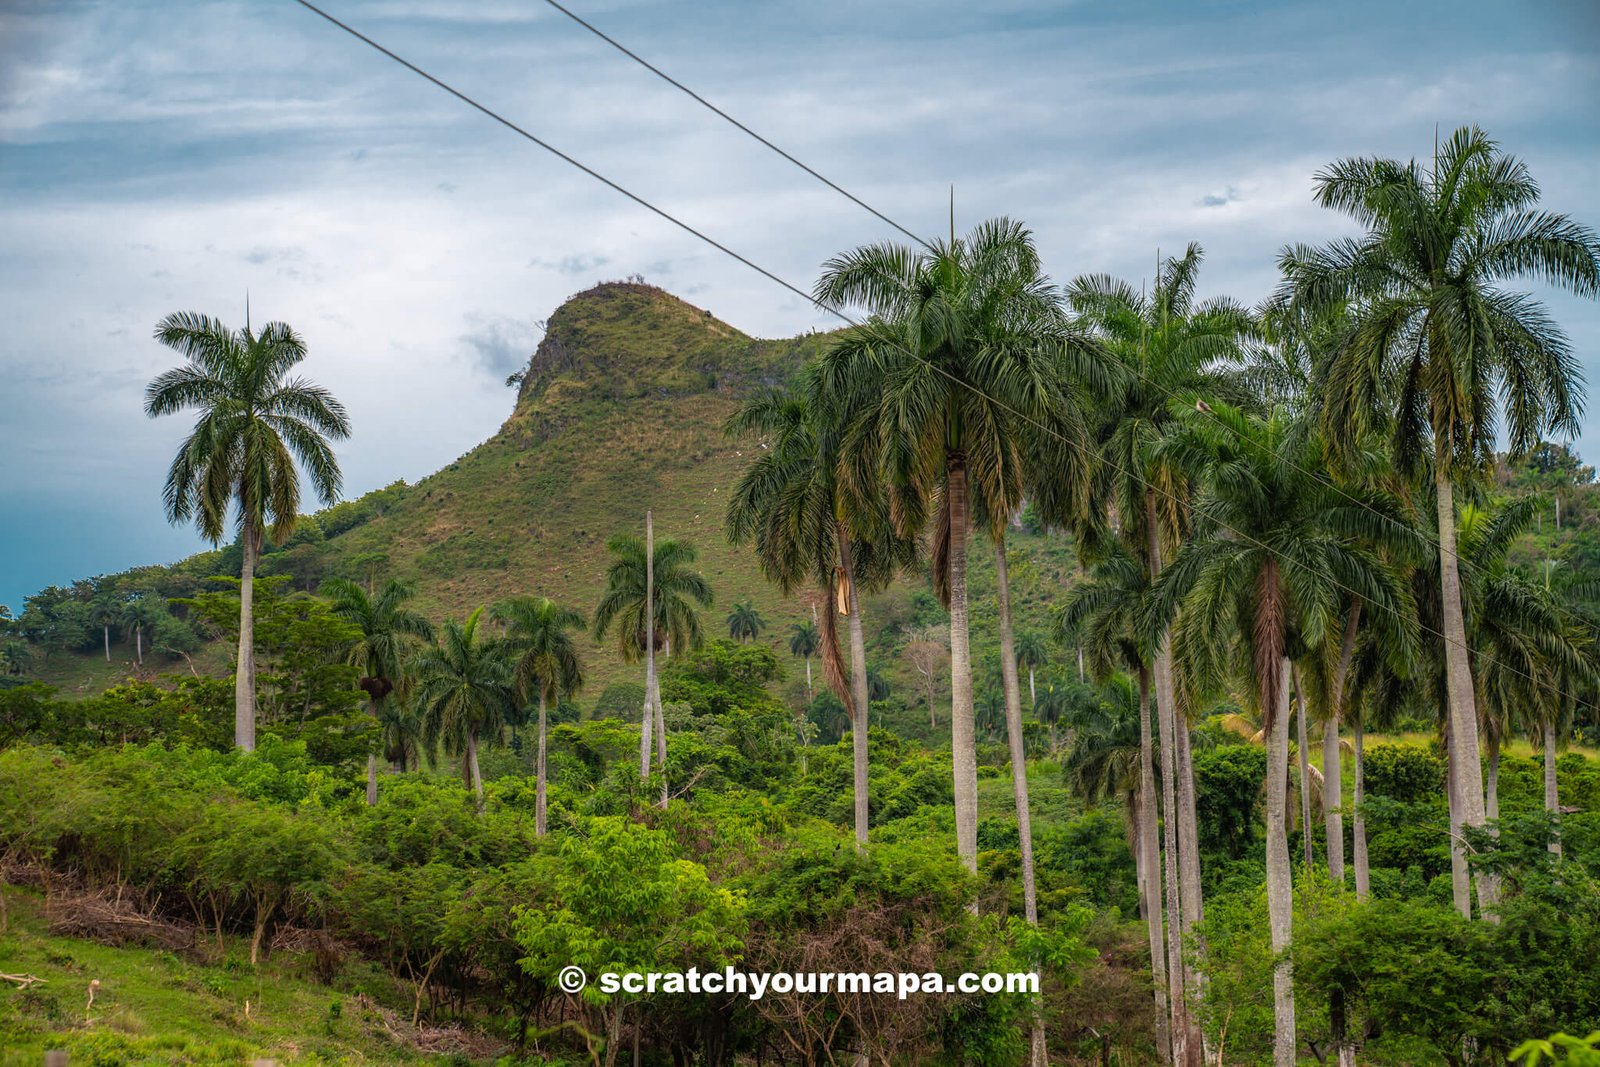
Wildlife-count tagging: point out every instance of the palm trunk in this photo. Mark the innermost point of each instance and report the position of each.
(105, 631)
(1302, 744)
(1552, 802)
(647, 721)
(1149, 848)
(244, 679)
(541, 784)
(372, 762)
(1033, 692)
(1491, 806)
(1460, 880)
(474, 776)
(1458, 677)
(963, 743)
(1280, 890)
(1166, 718)
(1332, 770)
(1019, 768)
(808, 679)
(661, 735)
(1358, 825)
(138, 641)
(858, 689)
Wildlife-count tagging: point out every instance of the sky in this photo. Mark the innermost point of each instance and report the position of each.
(166, 155)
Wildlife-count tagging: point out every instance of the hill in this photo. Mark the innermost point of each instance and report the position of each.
(620, 409)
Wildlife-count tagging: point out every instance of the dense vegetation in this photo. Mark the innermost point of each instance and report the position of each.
(1204, 659)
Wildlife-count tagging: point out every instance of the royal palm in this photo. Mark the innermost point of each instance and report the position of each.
(465, 688)
(1440, 349)
(663, 579)
(255, 423)
(962, 349)
(386, 628)
(1276, 551)
(546, 667)
(809, 529)
(1165, 344)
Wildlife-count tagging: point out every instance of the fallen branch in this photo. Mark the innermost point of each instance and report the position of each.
(23, 980)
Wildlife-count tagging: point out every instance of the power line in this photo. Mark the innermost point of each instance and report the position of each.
(831, 309)
(1169, 393)
(675, 83)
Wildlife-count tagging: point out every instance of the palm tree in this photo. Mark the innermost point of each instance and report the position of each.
(809, 527)
(962, 343)
(134, 615)
(745, 622)
(1166, 344)
(1032, 654)
(547, 664)
(403, 736)
(1276, 550)
(255, 424)
(804, 641)
(1438, 344)
(1530, 649)
(385, 628)
(465, 689)
(1102, 616)
(1106, 753)
(652, 579)
(105, 611)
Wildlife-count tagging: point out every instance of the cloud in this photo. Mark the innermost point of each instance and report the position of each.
(501, 345)
(148, 166)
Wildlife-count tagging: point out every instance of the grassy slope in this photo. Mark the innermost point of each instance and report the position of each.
(622, 410)
(161, 1008)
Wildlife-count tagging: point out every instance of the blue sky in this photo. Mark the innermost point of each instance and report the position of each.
(158, 156)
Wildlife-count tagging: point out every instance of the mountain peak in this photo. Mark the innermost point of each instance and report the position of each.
(624, 340)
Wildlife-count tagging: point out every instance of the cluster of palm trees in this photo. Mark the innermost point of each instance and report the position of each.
(1264, 498)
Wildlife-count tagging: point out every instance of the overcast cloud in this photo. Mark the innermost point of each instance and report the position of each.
(158, 156)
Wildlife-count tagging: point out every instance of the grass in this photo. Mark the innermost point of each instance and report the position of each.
(622, 411)
(154, 1007)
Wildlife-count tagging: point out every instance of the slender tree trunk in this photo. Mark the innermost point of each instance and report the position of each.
(372, 762)
(647, 722)
(1460, 880)
(1184, 1042)
(1019, 768)
(808, 680)
(1332, 769)
(1080, 664)
(1149, 848)
(474, 776)
(963, 743)
(1303, 747)
(858, 688)
(138, 641)
(541, 783)
(1552, 802)
(1033, 692)
(244, 680)
(1463, 707)
(1358, 826)
(1491, 806)
(661, 735)
(105, 631)
(1280, 889)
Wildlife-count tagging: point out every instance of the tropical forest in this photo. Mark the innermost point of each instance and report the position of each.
(1229, 666)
